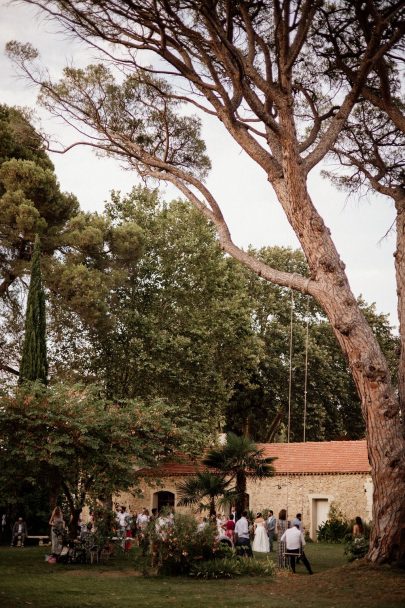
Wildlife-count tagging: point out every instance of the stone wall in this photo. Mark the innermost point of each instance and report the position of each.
(309, 494)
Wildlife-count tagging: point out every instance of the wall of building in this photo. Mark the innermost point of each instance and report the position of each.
(305, 493)
(310, 495)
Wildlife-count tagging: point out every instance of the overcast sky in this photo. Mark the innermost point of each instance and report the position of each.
(248, 203)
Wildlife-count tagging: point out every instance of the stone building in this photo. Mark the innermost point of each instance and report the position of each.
(308, 478)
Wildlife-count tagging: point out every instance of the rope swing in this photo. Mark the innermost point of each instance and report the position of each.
(290, 378)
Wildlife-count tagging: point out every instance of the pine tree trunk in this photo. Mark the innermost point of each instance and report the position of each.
(380, 405)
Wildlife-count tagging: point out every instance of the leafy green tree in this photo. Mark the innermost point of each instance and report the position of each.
(86, 446)
(30, 198)
(204, 485)
(333, 406)
(19, 139)
(77, 248)
(178, 326)
(239, 458)
(34, 362)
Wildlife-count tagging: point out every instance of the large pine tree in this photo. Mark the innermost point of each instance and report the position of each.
(34, 363)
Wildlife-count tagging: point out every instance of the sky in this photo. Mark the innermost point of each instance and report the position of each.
(360, 227)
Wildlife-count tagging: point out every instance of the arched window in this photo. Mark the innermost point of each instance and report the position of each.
(163, 499)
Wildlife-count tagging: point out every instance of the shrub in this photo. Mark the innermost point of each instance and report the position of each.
(335, 527)
(226, 567)
(256, 567)
(356, 548)
(232, 567)
(179, 543)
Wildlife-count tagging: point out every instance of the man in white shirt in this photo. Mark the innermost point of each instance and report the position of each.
(294, 542)
(242, 535)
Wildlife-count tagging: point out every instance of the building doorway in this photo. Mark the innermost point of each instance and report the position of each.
(163, 499)
(320, 513)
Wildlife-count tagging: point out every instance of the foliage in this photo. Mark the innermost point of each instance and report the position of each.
(104, 524)
(19, 139)
(356, 548)
(77, 248)
(239, 458)
(31, 200)
(34, 363)
(335, 528)
(203, 485)
(178, 324)
(232, 567)
(86, 446)
(179, 543)
(226, 567)
(333, 405)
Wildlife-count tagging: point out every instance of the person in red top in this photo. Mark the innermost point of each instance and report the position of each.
(230, 528)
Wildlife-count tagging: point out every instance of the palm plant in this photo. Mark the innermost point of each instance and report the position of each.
(204, 485)
(238, 459)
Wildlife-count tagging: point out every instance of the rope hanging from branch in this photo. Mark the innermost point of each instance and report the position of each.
(290, 374)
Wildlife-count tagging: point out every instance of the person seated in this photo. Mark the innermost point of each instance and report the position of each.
(19, 533)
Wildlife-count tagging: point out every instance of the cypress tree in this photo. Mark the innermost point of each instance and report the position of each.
(34, 363)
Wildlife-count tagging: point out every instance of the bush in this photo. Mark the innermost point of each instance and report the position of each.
(335, 528)
(178, 544)
(356, 548)
(226, 567)
(232, 567)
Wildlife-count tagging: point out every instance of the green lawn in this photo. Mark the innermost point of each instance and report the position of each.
(27, 580)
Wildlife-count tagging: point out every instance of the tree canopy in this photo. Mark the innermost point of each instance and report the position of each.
(333, 410)
(69, 438)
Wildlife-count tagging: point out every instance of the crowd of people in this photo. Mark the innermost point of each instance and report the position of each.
(258, 535)
(247, 535)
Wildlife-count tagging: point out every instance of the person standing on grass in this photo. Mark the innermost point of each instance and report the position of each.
(282, 525)
(271, 528)
(57, 524)
(294, 543)
(358, 528)
(242, 535)
(261, 540)
(230, 528)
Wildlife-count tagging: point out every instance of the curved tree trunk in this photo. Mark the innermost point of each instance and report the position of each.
(380, 404)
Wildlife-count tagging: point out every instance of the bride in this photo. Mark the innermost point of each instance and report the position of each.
(261, 540)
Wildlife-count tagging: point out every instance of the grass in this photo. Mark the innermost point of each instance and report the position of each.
(27, 580)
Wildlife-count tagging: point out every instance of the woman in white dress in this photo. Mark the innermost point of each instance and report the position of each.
(261, 541)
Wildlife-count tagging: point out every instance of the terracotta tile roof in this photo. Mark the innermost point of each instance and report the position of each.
(319, 457)
(325, 458)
